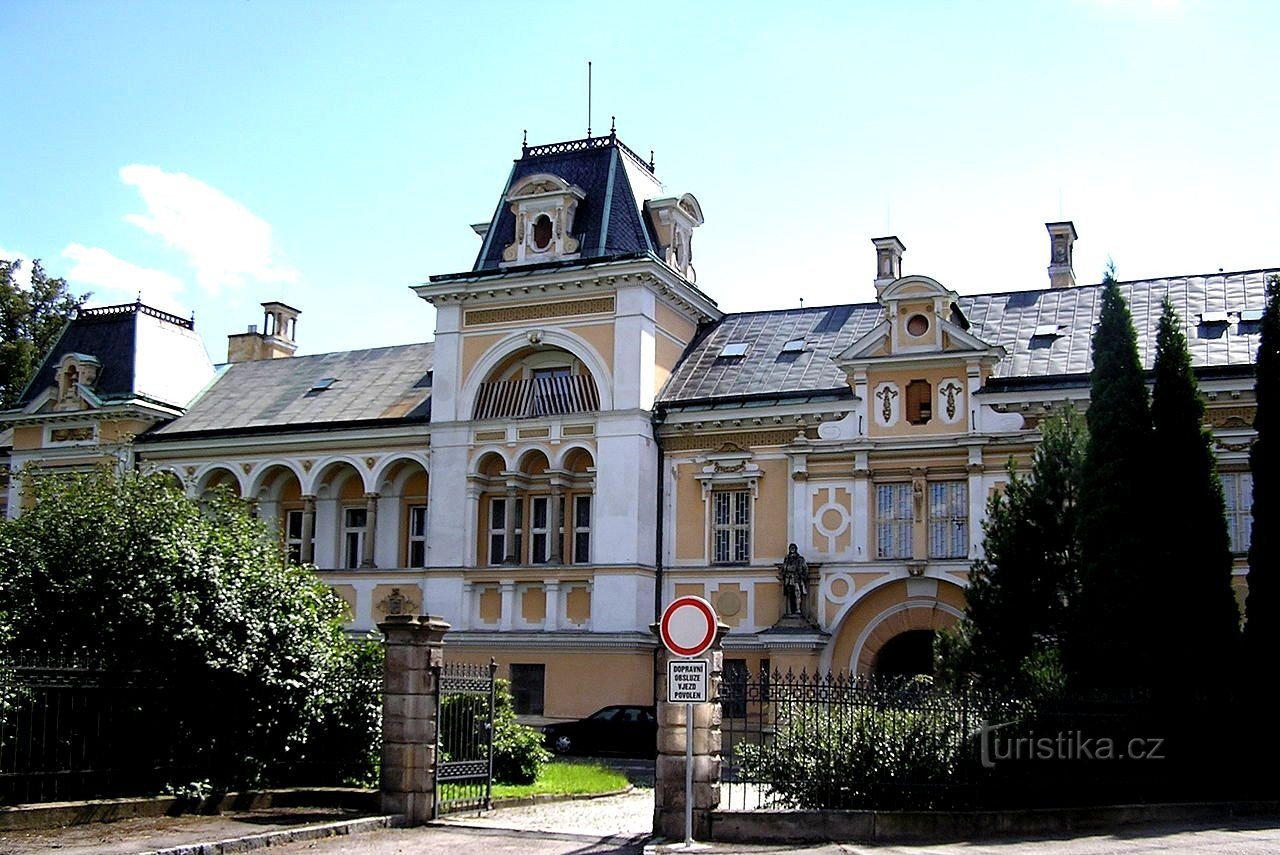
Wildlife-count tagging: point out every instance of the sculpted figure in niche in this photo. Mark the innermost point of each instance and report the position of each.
(795, 581)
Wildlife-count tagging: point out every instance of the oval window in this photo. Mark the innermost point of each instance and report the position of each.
(917, 325)
(542, 232)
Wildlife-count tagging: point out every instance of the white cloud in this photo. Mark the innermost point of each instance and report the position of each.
(118, 280)
(21, 272)
(224, 241)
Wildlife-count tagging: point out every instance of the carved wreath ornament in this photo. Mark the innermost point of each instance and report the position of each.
(886, 396)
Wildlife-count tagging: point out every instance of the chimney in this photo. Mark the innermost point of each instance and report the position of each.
(888, 261)
(279, 326)
(1062, 238)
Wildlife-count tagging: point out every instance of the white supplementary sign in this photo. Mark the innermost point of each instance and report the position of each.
(687, 681)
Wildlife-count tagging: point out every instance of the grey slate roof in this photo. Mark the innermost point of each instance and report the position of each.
(384, 383)
(597, 165)
(143, 352)
(1007, 320)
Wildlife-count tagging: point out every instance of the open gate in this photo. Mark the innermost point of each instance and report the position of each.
(464, 737)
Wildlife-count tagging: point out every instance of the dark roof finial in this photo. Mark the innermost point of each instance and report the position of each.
(651, 160)
(613, 126)
(524, 143)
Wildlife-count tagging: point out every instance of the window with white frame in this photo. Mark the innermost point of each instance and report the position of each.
(581, 529)
(893, 520)
(293, 536)
(354, 522)
(1237, 490)
(498, 529)
(417, 551)
(948, 519)
(540, 529)
(731, 526)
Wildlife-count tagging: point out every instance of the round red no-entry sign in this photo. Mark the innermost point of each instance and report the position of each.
(688, 626)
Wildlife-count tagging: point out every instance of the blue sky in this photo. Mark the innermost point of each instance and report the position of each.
(215, 155)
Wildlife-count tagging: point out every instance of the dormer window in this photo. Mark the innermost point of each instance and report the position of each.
(544, 206)
(917, 325)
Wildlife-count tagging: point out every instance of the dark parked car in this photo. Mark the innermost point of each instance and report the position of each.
(628, 730)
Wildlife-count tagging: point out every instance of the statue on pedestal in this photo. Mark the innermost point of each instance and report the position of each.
(795, 582)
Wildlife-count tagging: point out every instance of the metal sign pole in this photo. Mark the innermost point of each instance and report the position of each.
(688, 774)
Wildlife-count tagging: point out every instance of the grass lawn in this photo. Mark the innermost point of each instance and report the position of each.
(563, 777)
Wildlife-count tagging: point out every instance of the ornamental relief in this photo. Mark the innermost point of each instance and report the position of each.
(831, 519)
(887, 405)
(950, 401)
(1231, 417)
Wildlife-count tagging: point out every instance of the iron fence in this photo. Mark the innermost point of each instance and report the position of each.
(71, 729)
(464, 748)
(838, 742)
(74, 727)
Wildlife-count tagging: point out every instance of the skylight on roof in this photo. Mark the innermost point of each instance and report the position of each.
(1047, 331)
(1214, 318)
(795, 345)
(322, 384)
(733, 349)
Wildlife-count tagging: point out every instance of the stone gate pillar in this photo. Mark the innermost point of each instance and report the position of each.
(669, 783)
(410, 692)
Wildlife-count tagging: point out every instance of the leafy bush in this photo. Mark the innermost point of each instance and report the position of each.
(903, 745)
(199, 597)
(858, 758)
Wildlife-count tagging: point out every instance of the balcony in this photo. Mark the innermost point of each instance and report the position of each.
(536, 397)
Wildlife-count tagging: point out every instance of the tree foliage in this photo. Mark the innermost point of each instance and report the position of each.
(1020, 593)
(30, 322)
(1193, 549)
(1262, 630)
(1112, 641)
(195, 596)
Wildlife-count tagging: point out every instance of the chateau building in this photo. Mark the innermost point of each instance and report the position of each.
(590, 435)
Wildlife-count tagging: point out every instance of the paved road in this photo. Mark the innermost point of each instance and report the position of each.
(1227, 840)
(619, 825)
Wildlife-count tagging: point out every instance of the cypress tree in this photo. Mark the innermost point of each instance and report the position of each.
(1194, 546)
(1111, 643)
(1020, 591)
(1262, 629)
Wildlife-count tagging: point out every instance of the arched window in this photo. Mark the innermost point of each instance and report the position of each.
(536, 515)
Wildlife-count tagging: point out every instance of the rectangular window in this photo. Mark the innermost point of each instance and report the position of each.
(948, 519)
(498, 529)
(417, 556)
(893, 520)
(919, 402)
(734, 689)
(354, 521)
(293, 536)
(539, 529)
(527, 688)
(1237, 491)
(581, 529)
(731, 527)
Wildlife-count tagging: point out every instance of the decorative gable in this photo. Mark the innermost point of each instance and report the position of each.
(544, 206)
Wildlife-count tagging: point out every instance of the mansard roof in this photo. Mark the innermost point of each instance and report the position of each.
(379, 386)
(609, 220)
(1046, 335)
(144, 354)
